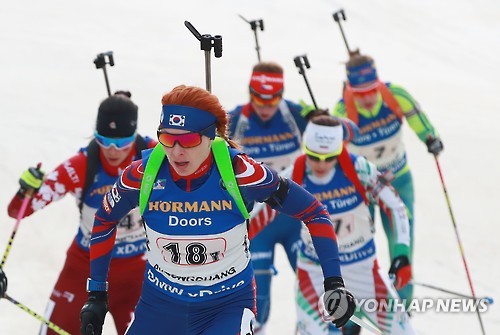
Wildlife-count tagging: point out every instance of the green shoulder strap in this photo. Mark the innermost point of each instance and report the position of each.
(225, 167)
(150, 172)
(222, 160)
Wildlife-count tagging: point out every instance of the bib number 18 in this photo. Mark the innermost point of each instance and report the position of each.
(185, 252)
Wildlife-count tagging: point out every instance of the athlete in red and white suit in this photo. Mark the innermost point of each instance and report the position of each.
(127, 267)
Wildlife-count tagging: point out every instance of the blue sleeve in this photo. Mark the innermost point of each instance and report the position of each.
(295, 109)
(351, 129)
(117, 203)
(234, 116)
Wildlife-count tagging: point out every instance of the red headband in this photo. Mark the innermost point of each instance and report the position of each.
(266, 85)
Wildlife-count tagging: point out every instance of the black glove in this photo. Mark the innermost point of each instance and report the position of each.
(401, 271)
(3, 283)
(93, 313)
(338, 302)
(31, 179)
(434, 145)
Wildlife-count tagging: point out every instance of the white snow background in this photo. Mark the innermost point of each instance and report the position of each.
(445, 53)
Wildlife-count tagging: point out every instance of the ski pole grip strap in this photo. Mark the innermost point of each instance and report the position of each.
(150, 172)
(225, 167)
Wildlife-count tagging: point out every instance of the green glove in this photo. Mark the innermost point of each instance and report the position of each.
(31, 179)
(306, 109)
(309, 111)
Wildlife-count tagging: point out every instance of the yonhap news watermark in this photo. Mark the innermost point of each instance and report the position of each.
(422, 305)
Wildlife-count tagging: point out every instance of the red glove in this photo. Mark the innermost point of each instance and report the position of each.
(401, 271)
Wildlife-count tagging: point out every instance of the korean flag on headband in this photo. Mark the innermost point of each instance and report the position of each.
(177, 120)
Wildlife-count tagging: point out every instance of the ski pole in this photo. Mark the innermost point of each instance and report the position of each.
(488, 300)
(337, 17)
(462, 253)
(365, 325)
(20, 215)
(100, 63)
(254, 25)
(206, 43)
(300, 62)
(40, 318)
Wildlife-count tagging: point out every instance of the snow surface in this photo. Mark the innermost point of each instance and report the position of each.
(444, 52)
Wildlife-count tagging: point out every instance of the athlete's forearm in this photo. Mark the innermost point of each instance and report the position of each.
(63, 179)
(380, 192)
(396, 211)
(116, 204)
(421, 126)
(417, 120)
(102, 243)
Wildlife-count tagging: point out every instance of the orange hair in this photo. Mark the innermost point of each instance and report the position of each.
(202, 99)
